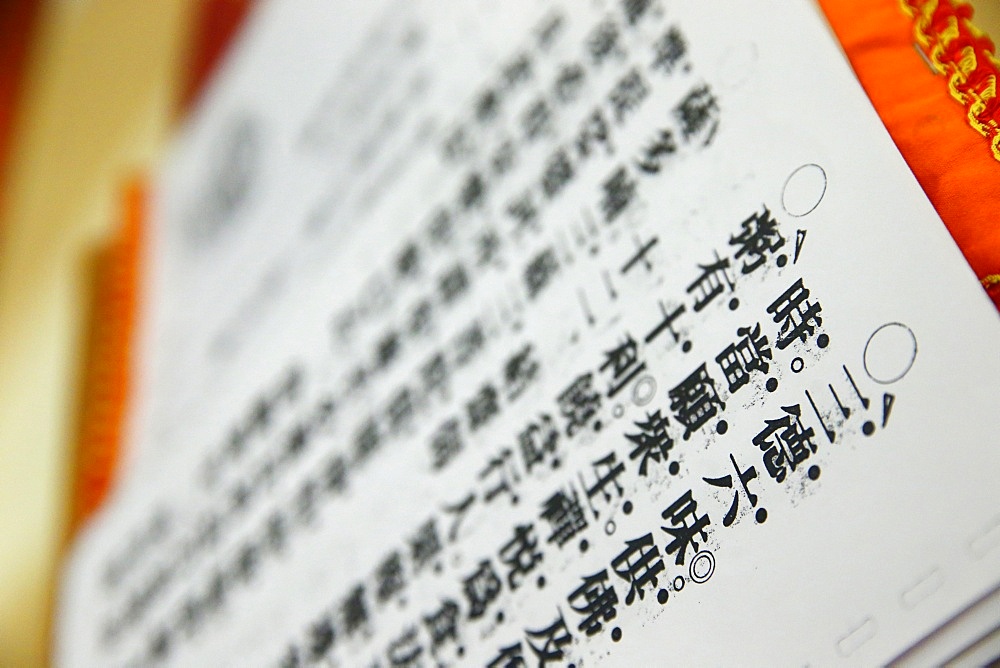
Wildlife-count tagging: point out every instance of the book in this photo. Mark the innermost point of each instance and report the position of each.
(540, 333)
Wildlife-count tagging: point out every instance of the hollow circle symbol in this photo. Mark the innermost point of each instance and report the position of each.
(702, 567)
(804, 190)
(644, 390)
(609, 527)
(679, 583)
(797, 365)
(890, 353)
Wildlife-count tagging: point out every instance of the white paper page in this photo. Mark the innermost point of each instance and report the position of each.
(608, 332)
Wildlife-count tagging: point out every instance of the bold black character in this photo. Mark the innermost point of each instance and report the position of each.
(694, 401)
(758, 239)
(785, 441)
(481, 588)
(639, 564)
(666, 324)
(651, 442)
(750, 353)
(565, 516)
(712, 282)
(797, 316)
(607, 469)
(623, 361)
(727, 481)
(682, 533)
(554, 637)
(520, 554)
(596, 601)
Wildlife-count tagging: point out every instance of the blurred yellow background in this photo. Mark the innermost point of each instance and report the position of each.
(101, 88)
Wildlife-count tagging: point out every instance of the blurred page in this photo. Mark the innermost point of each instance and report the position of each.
(540, 333)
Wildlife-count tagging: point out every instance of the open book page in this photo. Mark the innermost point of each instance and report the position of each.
(561, 333)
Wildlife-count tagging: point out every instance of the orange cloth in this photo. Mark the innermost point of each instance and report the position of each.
(953, 162)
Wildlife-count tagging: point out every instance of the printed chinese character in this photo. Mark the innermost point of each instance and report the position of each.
(483, 407)
(453, 283)
(619, 190)
(668, 50)
(353, 611)
(389, 575)
(638, 564)
(539, 272)
(519, 371)
(623, 361)
(537, 441)
(595, 601)
(565, 516)
(425, 545)
(748, 354)
(758, 239)
(537, 120)
(714, 277)
(553, 638)
(558, 172)
(405, 651)
(579, 403)
(694, 401)
(627, 94)
(651, 442)
(442, 624)
(798, 317)
(604, 42)
(502, 469)
(698, 114)
(593, 133)
(481, 588)
(607, 469)
(569, 82)
(520, 554)
(683, 534)
(446, 443)
(654, 154)
(727, 481)
(785, 441)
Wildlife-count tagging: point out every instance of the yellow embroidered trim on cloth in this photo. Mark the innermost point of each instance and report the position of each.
(944, 32)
